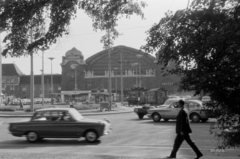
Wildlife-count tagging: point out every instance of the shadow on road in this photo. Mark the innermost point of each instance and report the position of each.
(22, 144)
(162, 122)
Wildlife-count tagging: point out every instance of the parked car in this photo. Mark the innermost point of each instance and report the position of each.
(194, 107)
(60, 123)
(142, 111)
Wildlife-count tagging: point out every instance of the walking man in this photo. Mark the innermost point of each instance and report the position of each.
(183, 129)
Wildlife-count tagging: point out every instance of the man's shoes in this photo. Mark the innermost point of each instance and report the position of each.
(169, 157)
(198, 157)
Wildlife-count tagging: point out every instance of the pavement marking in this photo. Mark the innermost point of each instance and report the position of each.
(1, 122)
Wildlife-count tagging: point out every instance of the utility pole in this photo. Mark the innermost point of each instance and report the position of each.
(43, 91)
(32, 76)
(121, 76)
(51, 58)
(109, 72)
(1, 30)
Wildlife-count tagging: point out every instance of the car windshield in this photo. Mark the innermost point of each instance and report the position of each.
(75, 114)
(168, 102)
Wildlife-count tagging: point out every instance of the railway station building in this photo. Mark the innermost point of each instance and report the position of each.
(130, 68)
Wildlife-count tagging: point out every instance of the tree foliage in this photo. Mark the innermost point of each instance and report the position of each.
(33, 24)
(204, 43)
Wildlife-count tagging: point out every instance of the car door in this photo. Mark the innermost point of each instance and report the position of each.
(172, 111)
(192, 106)
(64, 127)
(40, 123)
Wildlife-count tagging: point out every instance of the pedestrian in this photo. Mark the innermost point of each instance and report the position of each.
(183, 130)
(21, 104)
(138, 101)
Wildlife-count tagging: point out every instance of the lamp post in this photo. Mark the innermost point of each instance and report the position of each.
(74, 66)
(51, 58)
(121, 76)
(43, 91)
(116, 81)
(1, 30)
(135, 64)
(139, 64)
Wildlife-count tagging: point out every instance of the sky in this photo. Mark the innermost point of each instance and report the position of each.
(85, 39)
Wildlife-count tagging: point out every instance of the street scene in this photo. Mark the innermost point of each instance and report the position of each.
(119, 79)
(130, 138)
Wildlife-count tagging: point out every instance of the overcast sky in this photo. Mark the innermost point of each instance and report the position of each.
(86, 40)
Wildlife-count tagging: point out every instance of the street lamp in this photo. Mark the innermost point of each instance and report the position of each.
(116, 81)
(135, 64)
(139, 64)
(1, 30)
(51, 58)
(74, 66)
(43, 49)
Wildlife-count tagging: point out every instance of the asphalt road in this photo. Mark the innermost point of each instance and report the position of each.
(130, 138)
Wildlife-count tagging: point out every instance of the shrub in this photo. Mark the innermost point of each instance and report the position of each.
(87, 106)
(7, 109)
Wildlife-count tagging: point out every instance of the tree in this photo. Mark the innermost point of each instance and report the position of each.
(32, 24)
(204, 43)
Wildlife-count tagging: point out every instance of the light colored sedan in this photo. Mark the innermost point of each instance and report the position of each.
(194, 107)
(60, 123)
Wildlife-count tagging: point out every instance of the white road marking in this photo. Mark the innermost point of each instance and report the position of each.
(1, 122)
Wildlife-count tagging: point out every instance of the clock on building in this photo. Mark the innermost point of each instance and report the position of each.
(73, 66)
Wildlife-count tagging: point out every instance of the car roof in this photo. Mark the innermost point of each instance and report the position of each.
(175, 99)
(54, 109)
(194, 100)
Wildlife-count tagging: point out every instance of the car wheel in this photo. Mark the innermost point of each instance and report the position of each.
(166, 120)
(156, 117)
(32, 136)
(195, 118)
(91, 136)
(204, 120)
(140, 116)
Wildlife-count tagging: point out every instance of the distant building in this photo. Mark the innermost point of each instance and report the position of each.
(79, 76)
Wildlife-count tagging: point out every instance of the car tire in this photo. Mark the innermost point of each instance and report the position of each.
(91, 136)
(156, 117)
(32, 136)
(140, 116)
(195, 118)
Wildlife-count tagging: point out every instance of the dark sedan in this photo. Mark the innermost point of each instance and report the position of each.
(60, 123)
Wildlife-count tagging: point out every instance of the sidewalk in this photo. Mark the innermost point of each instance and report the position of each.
(115, 110)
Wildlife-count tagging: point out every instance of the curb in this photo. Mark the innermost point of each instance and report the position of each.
(84, 114)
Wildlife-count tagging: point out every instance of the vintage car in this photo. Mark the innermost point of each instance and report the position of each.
(60, 123)
(142, 111)
(195, 108)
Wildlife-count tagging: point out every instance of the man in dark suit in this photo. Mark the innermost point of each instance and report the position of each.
(183, 129)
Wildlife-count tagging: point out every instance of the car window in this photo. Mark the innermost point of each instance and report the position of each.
(174, 105)
(193, 105)
(168, 102)
(64, 116)
(55, 115)
(42, 116)
(75, 114)
(186, 105)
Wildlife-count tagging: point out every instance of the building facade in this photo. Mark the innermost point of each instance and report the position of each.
(130, 68)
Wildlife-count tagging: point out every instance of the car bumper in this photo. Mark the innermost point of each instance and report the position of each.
(18, 134)
(107, 129)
